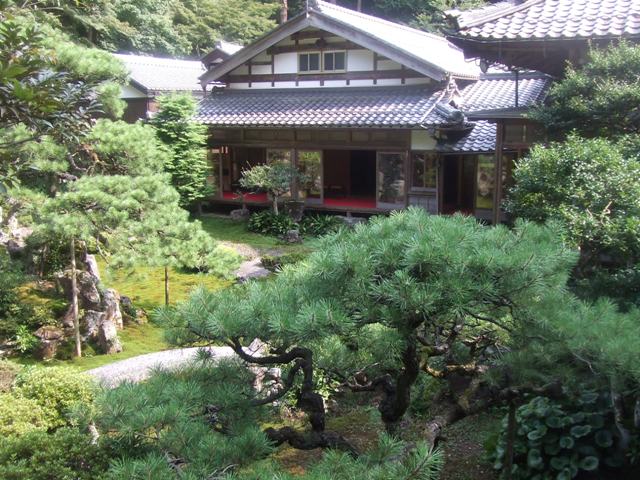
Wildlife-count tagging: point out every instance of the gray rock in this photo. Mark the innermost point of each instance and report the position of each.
(251, 269)
(50, 338)
(91, 322)
(111, 304)
(108, 338)
(88, 293)
(92, 266)
(293, 236)
(240, 214)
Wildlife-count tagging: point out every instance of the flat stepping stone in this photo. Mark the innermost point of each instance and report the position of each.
(251, 269)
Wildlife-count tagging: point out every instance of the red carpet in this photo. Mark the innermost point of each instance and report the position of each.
(249, 197)
(351, 202)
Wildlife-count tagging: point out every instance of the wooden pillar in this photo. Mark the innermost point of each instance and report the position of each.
(497, 194)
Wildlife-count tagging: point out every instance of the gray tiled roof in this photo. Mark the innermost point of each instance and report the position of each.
(372, 107)
(163, 74)
(481, 139)
(537, 19)
(498, 92)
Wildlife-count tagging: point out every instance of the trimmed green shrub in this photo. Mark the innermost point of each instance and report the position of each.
(57, 390)
(66, 454)
(21, 415)
(318, 225)
(269, 223)
(558, 440)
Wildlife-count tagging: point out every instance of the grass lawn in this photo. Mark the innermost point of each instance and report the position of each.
(227, 230)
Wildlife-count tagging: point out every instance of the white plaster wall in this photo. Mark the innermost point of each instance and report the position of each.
(361, 83)
(422, 140)
(359, 60)
(286, 63)
(418, 81)
(389, 81)
(127, 91)
(261, 69)
(309, 84)
(388, 65)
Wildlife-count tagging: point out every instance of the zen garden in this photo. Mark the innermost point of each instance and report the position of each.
(323, 240)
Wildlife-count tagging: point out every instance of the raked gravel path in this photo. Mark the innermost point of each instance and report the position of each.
(139, 368)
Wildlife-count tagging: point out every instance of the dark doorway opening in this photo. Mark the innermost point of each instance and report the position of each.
(350, 178)
(458, 184)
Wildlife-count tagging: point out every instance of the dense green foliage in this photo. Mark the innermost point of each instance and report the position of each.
(185, 142)
(65, 454)
(382, 463)
(591, 186)
(175, 28)
(57, 390)
(559, 440)
(13, 312)
(588, 185)
(51, 88)
(200, 414)
(599, 98)
(318, 225)
(267, 222)
(119, 148)
(21, 415)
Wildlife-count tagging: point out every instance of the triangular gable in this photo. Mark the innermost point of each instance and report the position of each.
(428, 54)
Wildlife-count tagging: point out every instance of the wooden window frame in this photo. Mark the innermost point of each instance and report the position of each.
(333, 52)
(307, 72)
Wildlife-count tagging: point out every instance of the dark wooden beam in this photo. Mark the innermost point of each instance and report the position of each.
(310, 47)
(307, 34)
(300, 77)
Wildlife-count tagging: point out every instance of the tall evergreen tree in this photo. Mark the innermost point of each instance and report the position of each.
(185, 143)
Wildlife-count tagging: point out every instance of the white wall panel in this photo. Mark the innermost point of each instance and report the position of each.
(286, 63)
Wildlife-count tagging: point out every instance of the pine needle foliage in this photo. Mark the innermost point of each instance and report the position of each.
(390, 298)
(196, 420)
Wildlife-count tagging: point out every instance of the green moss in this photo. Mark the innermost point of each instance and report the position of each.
(145, 285)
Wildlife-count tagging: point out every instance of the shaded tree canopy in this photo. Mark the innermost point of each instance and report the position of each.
(598, 99)
(160, 27)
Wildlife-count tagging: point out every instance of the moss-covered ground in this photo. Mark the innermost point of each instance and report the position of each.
(144, 285)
